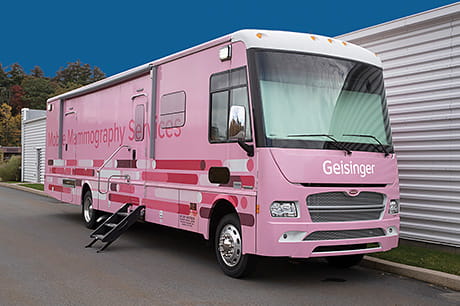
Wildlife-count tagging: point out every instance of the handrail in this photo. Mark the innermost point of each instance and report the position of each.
(127, 177)
(111, 156)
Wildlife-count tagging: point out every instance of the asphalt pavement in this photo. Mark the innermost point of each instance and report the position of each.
(43, 262)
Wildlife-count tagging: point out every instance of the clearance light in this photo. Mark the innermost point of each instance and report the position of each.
(344, 43)
(259, 35)
(225, 53)
(330, 40)
(313, 37)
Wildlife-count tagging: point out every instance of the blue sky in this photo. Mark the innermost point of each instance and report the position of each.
(118, 35)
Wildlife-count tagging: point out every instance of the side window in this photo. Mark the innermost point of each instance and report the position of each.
(139, 122)
(227, 88)
(172, 110)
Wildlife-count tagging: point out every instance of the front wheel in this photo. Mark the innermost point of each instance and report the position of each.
(344, 261)
(228, 247)
(89, 214)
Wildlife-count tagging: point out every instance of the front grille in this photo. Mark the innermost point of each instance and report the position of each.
(346, 234)
(340, 207)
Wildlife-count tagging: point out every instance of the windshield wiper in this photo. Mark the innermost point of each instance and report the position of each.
(335, 142)
(370, 136)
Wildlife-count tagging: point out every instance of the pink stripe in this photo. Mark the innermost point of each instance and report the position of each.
(182, 178)
(123, 198)
(126, 188)
(83, 172)
(208, 198)
(98, 162)
(71, 162)
(59, 170)
(167, 206)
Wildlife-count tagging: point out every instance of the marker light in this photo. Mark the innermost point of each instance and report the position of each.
(313, 37)
(394, 207)
(283, 209)
(259, 35)
(225, 53)
(330, 40)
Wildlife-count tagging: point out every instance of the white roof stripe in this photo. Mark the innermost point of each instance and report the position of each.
(278, 40)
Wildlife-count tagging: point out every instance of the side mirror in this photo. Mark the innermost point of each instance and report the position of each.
(237, 128)
(237, 123)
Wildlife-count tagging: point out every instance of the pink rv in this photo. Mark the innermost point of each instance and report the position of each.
(265, 142)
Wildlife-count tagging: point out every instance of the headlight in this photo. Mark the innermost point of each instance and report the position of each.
(283, 209)
(394, 207)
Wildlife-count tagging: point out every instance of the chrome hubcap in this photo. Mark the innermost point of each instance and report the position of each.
(230, 245)
(88, 209)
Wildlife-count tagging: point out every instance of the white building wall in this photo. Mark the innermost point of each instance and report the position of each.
(33, 140)
(421, 60)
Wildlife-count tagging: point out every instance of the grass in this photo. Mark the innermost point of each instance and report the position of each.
(34, 186)
(423, 257)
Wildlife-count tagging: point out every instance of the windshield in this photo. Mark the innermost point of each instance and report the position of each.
(307, 99)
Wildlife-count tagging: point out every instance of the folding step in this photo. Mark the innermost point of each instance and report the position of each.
(115, 225)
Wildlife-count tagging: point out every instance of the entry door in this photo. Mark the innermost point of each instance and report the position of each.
(69, 144)
(141, 131)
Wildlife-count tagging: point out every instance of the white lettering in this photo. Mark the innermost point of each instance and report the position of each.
(348, 168)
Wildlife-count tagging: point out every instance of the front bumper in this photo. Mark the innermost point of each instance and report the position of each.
(295, 239)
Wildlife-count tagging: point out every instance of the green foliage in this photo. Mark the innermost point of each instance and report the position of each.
(34, 186)
(78, 73)
(11, 170)
(10, 127)
(37, 91)
(16, 74)
(19, 90)
(37, 72)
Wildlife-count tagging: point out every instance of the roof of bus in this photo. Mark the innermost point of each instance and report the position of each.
(307, 43)
(266, 39)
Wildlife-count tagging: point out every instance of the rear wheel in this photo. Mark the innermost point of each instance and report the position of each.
(228, 247)
(89, 214)
(344, 261)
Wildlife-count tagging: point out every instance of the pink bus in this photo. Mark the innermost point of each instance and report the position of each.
(266, 143)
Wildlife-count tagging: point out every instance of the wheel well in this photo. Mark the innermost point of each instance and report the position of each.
(84, 190)
(220, 209)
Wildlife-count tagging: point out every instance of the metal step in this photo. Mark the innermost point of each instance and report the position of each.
(114, 226)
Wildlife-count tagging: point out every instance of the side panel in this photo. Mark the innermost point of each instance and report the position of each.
(174, 186)
(102, 123)
(179, 193)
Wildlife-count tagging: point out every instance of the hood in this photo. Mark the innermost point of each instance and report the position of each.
(335, 167)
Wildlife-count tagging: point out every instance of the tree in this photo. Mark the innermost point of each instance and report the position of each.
(37, 72)
(76, 72)
(16, 74)
(4, 81)
(10, 127)
(37, 91)
(98, 74)
(16, 100)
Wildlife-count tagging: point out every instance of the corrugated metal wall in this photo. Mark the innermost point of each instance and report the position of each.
(33, 149)
(421, 59)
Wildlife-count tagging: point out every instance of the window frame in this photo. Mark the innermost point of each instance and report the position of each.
(185, 110)
(229, 90)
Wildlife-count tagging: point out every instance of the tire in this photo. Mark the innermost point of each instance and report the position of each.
(228, 247)
(89, 214)
(344, 261)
